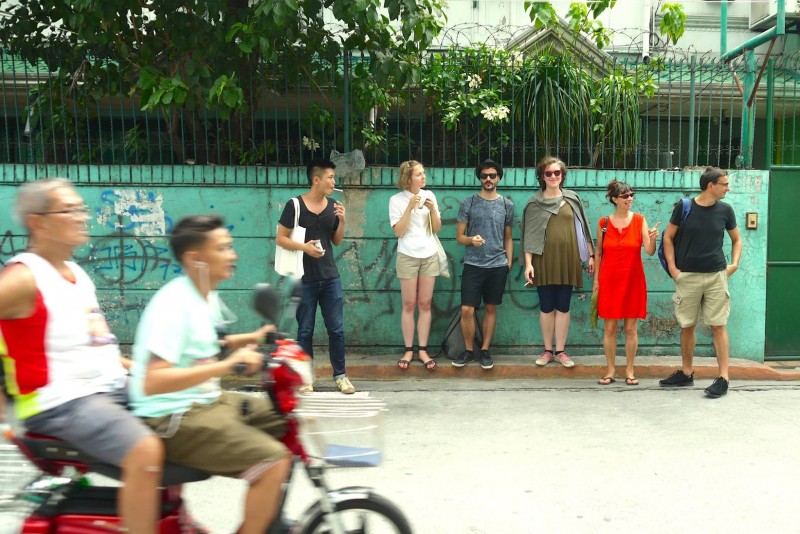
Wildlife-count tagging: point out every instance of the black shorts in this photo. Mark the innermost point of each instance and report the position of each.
(480, 282)
(554, 297)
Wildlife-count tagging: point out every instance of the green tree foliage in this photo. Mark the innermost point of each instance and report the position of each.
(480, 94)
(673, 23)
(191, 59)
(582, 18)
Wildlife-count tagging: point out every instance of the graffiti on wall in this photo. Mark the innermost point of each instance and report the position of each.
(134, 252)
(131, 250)
(136, 211)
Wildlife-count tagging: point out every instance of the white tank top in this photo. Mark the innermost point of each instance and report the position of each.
(64, 350)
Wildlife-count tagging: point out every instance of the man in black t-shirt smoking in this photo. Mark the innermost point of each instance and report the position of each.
(696, 262)
(324, 221)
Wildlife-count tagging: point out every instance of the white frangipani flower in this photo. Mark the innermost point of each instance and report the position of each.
(496, 113)
(474, 81)
(311, 144)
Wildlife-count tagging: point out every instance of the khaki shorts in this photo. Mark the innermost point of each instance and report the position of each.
(702, 291)
(219, 439)
(409, 267)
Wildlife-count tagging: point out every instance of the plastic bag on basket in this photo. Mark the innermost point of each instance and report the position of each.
(343, 433)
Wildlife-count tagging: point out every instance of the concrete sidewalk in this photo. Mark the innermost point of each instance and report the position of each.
(589, 367)
(366, 367)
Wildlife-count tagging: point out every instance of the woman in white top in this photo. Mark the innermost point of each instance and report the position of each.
(414, 216)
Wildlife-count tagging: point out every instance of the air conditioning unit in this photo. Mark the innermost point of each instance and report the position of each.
(763, 13)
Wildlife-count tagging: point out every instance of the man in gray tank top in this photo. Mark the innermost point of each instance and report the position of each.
(484, 227)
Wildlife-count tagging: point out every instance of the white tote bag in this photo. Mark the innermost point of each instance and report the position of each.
(290, 262)
(444, 265)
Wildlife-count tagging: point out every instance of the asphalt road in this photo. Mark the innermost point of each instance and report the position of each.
(507, 457)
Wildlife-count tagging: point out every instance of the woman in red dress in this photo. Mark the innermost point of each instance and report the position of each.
(619, 276)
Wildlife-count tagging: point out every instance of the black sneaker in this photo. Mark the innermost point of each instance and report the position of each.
(678, 378)
(718, 388)
(464, 359)
(486, 360)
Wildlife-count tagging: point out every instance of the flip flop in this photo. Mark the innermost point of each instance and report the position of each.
(610, 380)
(632, 381)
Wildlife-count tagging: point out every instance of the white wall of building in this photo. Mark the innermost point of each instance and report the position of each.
(472, 21)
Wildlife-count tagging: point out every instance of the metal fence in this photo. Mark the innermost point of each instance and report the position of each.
(692, 116)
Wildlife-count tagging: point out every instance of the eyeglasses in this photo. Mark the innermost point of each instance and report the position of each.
(723, 184)
(75, 213)
(488, 175)
(552, 173)
(626, 195)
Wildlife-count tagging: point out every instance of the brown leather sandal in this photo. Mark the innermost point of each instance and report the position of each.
(402, 363)
(430, 365)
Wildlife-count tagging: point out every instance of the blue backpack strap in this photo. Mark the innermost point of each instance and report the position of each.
(687, 207)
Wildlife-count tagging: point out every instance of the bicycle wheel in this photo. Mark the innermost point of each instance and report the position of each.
(372, 514)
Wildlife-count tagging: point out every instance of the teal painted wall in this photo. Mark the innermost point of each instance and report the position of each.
(129, 257)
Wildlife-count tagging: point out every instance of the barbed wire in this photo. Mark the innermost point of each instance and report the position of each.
(624, 42)
(625, 49)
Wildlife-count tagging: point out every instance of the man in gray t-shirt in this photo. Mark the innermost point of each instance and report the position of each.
(484, 227)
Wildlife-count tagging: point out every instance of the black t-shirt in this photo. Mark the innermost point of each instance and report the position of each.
(321, 227)
(700, 240)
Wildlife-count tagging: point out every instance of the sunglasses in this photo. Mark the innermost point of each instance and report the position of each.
(552, 173)
(488, 175)
(626, 195)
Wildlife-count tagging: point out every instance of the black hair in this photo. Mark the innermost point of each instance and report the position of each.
(315, 168)
(488, 164)
(191, 232)
(710, 176)
(616, 188)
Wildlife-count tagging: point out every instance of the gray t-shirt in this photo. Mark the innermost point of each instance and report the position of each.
(487, 218)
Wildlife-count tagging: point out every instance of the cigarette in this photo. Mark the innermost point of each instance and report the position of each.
(339, 190)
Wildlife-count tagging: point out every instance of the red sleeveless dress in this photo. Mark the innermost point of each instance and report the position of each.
(622, 288)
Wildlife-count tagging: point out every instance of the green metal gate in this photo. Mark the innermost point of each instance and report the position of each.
(783, 266)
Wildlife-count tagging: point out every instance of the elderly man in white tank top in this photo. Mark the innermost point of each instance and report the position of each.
(65, 371)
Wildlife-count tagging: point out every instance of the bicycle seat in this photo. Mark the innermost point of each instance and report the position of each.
(51, 455)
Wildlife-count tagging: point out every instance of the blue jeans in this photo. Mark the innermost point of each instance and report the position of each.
(330, 297)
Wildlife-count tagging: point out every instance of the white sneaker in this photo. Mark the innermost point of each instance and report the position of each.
(564, 359)
(345, 386)
(544, 358)
(305, 389)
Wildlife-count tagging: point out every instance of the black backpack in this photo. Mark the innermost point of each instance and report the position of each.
(453, 344)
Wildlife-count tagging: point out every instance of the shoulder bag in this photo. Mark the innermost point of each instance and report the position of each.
(444, 265)
(290, 262)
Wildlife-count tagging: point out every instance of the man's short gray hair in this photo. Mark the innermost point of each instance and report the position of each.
(33, 197)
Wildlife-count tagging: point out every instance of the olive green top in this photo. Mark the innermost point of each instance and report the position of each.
(559, 262)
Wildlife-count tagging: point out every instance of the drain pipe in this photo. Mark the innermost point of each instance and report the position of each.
(646, 18)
